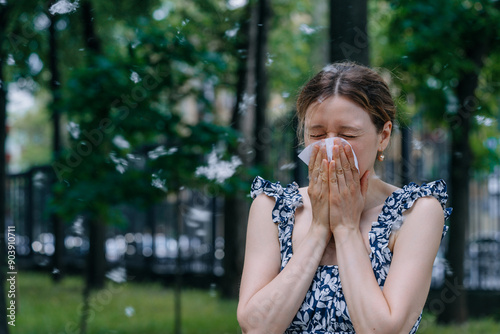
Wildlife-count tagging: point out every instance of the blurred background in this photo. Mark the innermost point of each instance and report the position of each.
(131, 132)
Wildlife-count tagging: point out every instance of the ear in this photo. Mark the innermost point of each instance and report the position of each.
(385, 136)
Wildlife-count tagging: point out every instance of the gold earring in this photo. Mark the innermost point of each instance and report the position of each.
(381, 157)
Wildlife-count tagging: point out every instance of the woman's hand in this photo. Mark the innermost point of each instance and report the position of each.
(318, 191)
(346, 191)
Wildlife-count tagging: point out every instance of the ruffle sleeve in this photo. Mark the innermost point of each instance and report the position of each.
(287, 199)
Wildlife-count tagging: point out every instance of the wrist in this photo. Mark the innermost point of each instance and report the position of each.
(320, 232)
(342, 232)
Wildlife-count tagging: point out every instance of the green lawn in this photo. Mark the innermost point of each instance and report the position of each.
(138, 308)
(473, 326)
(147, 308)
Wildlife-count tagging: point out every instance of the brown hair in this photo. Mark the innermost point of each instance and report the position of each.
(358, 83)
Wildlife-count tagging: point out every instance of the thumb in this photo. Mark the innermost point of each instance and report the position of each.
(364, 183)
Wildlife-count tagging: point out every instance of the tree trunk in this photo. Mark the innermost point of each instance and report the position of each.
(348, 37)
(455, 308)
(96, 262)
(453, 293)
(234, 212)
(3, 165)
(179, 272)
(262, 133)
(91, 39)
(249, 117)
(58, 225)
(406, 162)
(235, 221)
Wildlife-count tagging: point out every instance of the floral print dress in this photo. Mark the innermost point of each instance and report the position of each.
(324, 308)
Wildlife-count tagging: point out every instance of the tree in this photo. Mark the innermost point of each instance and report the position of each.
(134, 144)
(249, 118)
(4, 12)
(348, 36)
(123, 106)
(55, 78)
(443, 48)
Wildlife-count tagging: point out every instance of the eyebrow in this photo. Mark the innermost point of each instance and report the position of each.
(342, 127)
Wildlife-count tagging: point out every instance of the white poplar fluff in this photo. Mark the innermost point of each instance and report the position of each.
(63, 7)
(218, 170)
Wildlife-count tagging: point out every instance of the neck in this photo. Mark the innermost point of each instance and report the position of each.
(377, 192)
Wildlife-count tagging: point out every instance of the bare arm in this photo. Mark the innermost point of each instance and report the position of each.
(396, 308)
(270, 299)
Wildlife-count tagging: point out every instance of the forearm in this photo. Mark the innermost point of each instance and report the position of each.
(368, 308)
(272, 308)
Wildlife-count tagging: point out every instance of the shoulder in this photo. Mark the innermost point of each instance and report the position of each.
(426, 208)
(263, 186)
(419, 209)
(262, 203)
(286, 199)
(433, 192)
(424, 213)
(436, 189)
(260, 229)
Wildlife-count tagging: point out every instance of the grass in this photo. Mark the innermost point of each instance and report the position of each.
(138, 308)
(148, 308)
(473, 326)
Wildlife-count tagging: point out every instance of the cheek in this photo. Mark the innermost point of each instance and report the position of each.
(366, 156)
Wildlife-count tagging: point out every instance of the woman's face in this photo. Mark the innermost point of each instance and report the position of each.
(340, 117)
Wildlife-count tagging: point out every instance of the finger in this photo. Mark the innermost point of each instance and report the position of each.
(315, 169)
(352, 162)
(324, 176)
(332, 175)
(312, 159)
(346, 166)
(338, 167)
(324, 170)
(321, 173)
(333, 192)
(319, 157)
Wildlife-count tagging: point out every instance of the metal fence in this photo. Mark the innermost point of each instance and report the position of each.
(147, 243)
(482, 258)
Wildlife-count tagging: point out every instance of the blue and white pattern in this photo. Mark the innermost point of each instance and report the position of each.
(324, 309)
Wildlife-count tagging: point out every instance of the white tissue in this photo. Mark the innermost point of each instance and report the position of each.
(305, 155)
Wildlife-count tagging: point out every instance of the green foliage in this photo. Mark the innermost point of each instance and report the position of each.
(430, 46)
(295, 46)
(134, 142)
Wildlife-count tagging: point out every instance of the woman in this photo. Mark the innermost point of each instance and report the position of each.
(362, 249)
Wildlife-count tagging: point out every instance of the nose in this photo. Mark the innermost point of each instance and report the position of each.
(331, 135)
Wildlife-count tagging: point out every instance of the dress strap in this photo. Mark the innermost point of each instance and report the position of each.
(287, 199)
